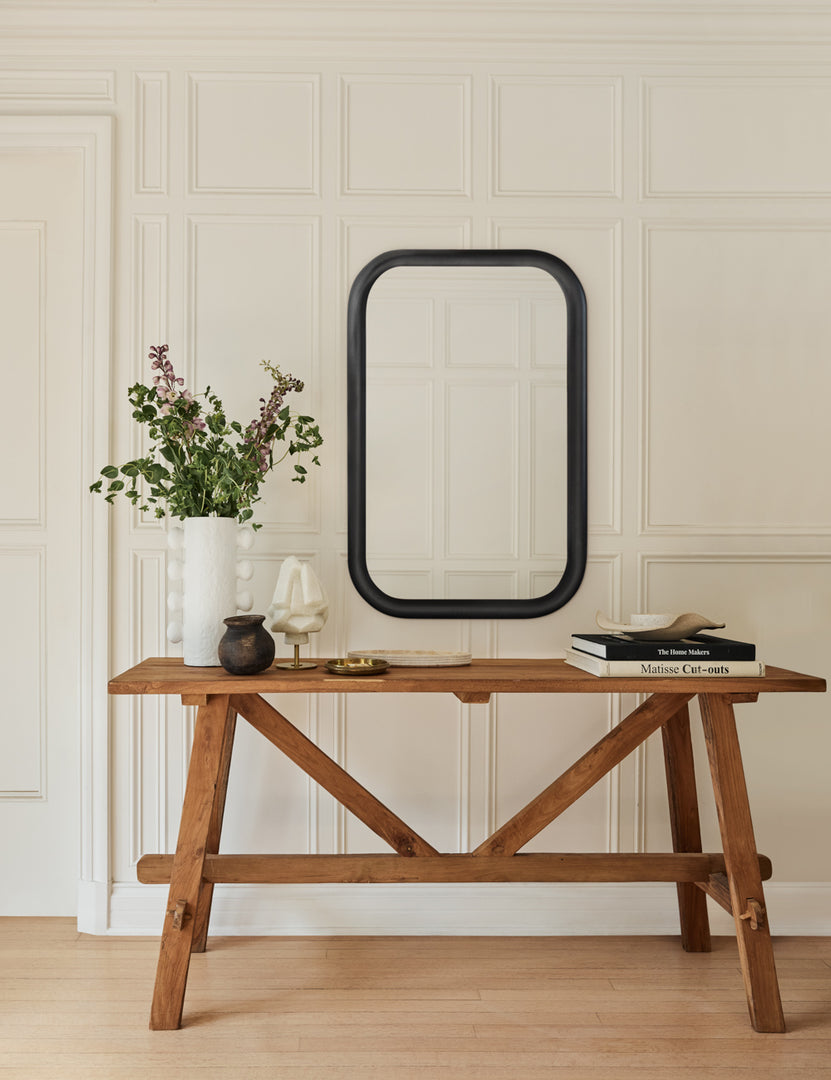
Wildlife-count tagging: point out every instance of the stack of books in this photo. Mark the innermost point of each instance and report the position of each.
(698, 656)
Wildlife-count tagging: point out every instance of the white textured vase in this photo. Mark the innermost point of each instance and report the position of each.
(208, 570)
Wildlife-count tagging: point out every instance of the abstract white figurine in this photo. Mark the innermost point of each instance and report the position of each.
(299, 607)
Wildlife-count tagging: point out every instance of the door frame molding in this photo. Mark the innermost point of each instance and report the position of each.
(92, 137)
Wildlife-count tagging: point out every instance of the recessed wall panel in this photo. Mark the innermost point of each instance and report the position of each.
(737, 382)
(555, 136)
(151, 143)
(407, 754)
(254, 286)
(406, 135)
(254, 133)
(737, 137)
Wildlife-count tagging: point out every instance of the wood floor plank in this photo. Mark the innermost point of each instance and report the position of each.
(406, 1009)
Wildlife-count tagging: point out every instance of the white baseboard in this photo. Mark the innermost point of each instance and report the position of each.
(531, 909)
(93, 907)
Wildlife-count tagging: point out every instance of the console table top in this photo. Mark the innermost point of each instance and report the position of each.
(168, 675)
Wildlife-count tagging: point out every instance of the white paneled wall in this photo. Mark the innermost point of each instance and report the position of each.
(680, 162)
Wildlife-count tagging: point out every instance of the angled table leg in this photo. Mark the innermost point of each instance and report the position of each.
(209, 742)
(206, 890)
(742, 864)
(686, 827)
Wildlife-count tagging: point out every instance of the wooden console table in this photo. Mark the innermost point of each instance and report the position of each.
(732, 878)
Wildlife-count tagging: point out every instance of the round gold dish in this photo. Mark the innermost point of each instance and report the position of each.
(356, 665)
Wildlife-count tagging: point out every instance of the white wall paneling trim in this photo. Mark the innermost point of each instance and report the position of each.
(798, 908)
(149, 324)
(31, 85)
(152, 135)
(660, 30)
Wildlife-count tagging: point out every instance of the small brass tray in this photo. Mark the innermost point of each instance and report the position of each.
(356, 665)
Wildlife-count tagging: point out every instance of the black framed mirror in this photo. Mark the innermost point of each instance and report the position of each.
(467, 433)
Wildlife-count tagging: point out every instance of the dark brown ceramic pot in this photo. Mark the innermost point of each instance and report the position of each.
(246, 646)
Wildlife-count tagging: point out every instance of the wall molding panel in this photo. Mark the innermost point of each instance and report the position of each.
(751, 329)
(152, 145)
(234, 150)
(395, 127)
(782, 120)
(582, 114)
(42, 87)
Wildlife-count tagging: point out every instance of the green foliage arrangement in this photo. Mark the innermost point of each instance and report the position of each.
(200, 464)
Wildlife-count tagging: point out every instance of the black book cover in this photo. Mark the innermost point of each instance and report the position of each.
(696, 647)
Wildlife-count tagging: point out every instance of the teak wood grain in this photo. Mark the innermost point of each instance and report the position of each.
(203, 909)
(209, 742)
(167, 675)
(736, 824)
(685, 826)
(292, 869)
(734, 878)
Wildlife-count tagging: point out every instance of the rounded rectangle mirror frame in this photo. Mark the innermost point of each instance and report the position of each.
(576, 437)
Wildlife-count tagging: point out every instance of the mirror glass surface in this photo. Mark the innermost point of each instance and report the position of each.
(465, 432)
(470, 437)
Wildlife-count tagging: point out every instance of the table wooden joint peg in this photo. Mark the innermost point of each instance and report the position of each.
(179, 913)
(755, 914)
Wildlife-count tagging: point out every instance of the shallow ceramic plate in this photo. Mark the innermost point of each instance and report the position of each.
(416, 657)
(659, 627)
(349, 665)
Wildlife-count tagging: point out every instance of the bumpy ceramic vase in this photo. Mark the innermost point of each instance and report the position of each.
(246, 647)
(205, 565)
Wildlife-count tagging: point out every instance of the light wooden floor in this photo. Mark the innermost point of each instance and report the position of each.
(73, 1006)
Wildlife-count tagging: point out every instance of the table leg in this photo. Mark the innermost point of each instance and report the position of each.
(686, 827)
(742, 864)
(206, 890)
(209, 742)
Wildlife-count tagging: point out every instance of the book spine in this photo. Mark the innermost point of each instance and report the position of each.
(684, 669)
(669, 652)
